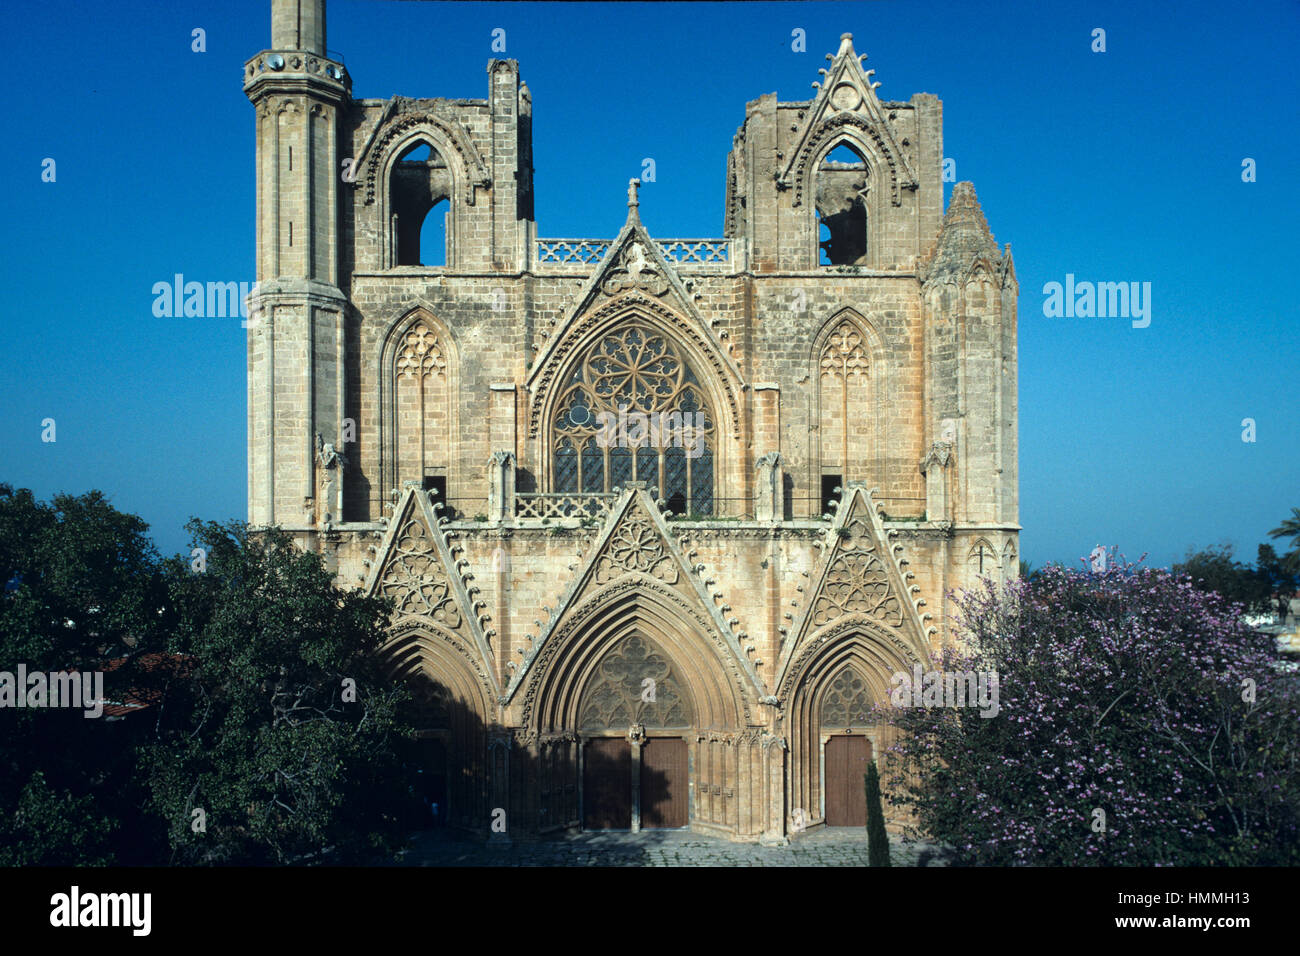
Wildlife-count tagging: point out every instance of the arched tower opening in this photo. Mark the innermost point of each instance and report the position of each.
(841, 200)
(420, 193)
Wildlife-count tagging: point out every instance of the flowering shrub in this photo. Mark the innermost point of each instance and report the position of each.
(1141, 723)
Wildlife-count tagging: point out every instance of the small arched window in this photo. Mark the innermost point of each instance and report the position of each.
(633, 410)
(842, 186)
(420, 198)
(982, 561)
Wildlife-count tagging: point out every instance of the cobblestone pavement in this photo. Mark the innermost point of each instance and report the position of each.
(823, 847)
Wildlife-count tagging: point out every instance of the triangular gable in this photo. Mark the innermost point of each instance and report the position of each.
(633, 267)
(860, 578)
(635, 541)
(414, 567)
(846, 98)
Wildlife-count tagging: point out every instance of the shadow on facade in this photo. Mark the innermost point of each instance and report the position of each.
(470, 779)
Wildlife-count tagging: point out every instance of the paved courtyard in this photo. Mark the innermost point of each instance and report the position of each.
(823, 847)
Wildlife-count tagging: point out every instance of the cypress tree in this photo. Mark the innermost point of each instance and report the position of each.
(877, 838)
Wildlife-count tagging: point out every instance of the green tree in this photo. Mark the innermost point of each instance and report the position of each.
(1213, 569)
(1290, 528)
(48, 827)
(877, 837)
(285, 733)
(82, 586)
(1275, 579)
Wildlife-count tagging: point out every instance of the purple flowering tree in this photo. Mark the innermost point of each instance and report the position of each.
(1140, 722)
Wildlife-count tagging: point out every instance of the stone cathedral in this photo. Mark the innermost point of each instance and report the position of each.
(660, 517)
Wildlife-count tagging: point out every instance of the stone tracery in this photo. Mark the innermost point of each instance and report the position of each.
(634, 410)
(847, 701)
(634, 684)
(415, 580)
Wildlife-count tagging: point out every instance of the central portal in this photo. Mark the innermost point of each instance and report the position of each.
(634, 776)
(643, 786)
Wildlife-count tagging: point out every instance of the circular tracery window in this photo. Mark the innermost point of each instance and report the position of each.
(633, 410)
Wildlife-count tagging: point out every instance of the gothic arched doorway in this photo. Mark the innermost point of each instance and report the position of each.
(632, 717)
(846, 705)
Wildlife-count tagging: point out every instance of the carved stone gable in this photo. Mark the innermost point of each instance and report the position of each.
(634, 269)
(846, 103)
(857, 582)
(636, 546)
(415, 579)
(863, 584)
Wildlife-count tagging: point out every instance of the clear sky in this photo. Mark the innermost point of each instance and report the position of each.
(1117, 166)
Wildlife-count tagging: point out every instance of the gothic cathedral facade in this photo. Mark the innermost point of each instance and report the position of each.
(660, 518)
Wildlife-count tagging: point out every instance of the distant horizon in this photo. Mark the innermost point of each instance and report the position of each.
(1159, 174)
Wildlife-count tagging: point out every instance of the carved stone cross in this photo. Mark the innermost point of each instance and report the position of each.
(632, 186)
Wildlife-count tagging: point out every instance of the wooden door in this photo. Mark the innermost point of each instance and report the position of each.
(664, 783)
(607, 784)
(846, 795)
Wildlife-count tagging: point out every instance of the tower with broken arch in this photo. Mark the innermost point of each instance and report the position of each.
(688, 625)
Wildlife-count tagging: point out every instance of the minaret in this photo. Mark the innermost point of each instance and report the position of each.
(296, 318)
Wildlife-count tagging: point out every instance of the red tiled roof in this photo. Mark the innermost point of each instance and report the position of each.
(135, 699)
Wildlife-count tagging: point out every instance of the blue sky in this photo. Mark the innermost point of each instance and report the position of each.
(1117, 166)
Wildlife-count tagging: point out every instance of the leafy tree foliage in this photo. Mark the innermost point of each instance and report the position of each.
(1277, 578)
(1214, 569)
(285, 734)
(1140, 722)
(1290, 528)
(268, 710)
(81, 587)
(1265, 587)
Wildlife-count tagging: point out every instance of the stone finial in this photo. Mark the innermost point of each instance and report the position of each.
(632, 201)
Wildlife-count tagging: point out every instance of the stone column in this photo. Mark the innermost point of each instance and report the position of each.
(935, 468)
(774, 750)
(636, 736)
(499, 762)
(501, 486)
(769, 491)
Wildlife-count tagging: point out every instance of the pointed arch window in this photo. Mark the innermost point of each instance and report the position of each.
(632, 409)
(841, 198)
(422, 405)
(846, 402)
(1010, 562)
(982, 561)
